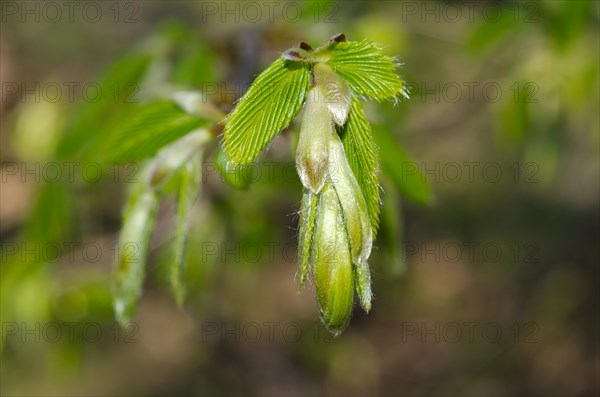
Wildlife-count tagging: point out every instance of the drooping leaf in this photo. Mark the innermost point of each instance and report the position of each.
(134, 240)
(361, 152)
(189, 187)
(152, 127)
(369, 71)
(403, 172)
(269, 106)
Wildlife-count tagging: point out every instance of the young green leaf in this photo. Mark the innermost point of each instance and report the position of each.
(269, 106)
(189, 187)
(361, 152)
(134, 240)
(368, 70)
(403, 172)
(154, 125)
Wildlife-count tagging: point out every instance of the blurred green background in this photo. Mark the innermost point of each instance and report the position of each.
(487, 287)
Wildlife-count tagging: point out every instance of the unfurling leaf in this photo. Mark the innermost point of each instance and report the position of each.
(189, 187)
(269, 106)
(134, 240)
(368, 70)
(361, 153)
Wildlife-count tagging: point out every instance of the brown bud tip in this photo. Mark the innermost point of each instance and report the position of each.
(292, 56)
(338, 38)
(305, 46)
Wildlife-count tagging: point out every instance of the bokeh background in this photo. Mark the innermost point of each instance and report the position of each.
(485, 285)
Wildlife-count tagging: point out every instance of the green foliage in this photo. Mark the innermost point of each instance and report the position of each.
(340, 176)
(336, 159)
(269, 106)
(153, 126)
(119, 88)
(369, 71)
(176, 168)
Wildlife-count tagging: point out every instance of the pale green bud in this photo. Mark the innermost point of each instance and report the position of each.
(336, 93)
(308, 213)
(353, 202)
(312, 153)
(356, 219)
(332, 263)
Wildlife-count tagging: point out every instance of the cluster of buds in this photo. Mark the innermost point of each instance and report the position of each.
(336, 158)
(335, 237)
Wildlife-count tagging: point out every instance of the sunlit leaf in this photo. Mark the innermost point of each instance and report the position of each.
(269, 106)
(368, 70)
